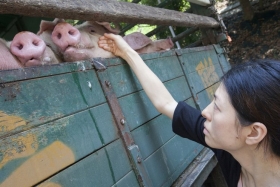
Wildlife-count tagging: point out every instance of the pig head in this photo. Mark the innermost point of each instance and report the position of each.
(7, 59)
(45, 33)
(31, 50)
(143, 44)
(81, 42)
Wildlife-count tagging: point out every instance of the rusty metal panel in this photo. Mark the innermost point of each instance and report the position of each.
(175, 155)
(203, 67)
(131, 148)
(151, 133)
(43, 99)
(49, 148)
(100, 128)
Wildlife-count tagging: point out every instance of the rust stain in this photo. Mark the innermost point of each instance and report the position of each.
(21, 146)
(9, 91)
(10, 122)
(208, 75)
(41, 165)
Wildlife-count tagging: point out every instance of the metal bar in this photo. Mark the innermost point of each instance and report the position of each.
(182, 34)
(173, 35)
(172, 32)
(195, 44)
(132, 149)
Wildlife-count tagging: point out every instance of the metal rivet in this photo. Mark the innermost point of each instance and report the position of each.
(89, 84)
(139, 160)
(122, 121)
(108, 83)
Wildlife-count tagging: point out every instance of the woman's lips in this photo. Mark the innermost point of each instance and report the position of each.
(205, 131)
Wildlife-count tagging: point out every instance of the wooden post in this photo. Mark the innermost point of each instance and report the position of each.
(105, 10)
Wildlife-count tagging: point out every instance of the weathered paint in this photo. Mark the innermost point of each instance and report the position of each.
(42, 99)
(23, 146)
(208, 75)
(10, 122)
(60, 127)
(33, 142)
(132, 149)
(174, 155)
(104, 167)
(55, 156)
(138, 109)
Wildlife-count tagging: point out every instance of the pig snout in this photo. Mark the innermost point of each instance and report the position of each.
(65, 35)
(28, 48)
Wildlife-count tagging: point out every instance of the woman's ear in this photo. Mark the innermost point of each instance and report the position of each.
(257, 132)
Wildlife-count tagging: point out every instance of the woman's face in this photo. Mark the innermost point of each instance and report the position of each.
(221, 129)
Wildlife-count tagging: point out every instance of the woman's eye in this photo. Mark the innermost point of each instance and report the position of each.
(215, 107)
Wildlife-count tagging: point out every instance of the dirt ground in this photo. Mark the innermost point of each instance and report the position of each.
(256, 39)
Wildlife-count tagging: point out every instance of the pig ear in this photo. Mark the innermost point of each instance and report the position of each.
(49, 25)
(108, 27)
(137, 40)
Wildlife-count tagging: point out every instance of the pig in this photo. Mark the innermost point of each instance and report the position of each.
(31, 50)
(7, 59)
(143, 44)
(80, 42)
(45, 32)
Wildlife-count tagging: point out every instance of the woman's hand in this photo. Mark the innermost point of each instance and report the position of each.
(114, 44)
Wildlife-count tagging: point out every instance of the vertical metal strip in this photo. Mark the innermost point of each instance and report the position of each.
(131, 148)
(221, 54)
(191, 87)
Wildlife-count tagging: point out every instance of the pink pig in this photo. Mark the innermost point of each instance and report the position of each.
(81, 42)
(7, 59)
(31, 50)
(143, 44)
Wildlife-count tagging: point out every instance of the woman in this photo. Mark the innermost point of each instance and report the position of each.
(241, 124)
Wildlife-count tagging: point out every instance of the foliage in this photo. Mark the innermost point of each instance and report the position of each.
(178, 5)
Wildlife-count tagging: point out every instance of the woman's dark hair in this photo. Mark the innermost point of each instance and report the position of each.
(254, 91)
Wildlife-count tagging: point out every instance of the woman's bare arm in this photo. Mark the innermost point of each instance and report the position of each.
(154, 88)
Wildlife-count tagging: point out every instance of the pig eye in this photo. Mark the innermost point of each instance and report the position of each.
(91, 29)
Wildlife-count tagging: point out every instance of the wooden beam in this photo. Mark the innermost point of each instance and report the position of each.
(105, 10)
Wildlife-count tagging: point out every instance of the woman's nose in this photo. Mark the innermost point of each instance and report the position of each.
(206, 112)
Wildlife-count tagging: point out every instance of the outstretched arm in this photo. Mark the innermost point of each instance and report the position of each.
(154, 88)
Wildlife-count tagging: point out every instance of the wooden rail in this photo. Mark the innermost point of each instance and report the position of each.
(105, 10)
